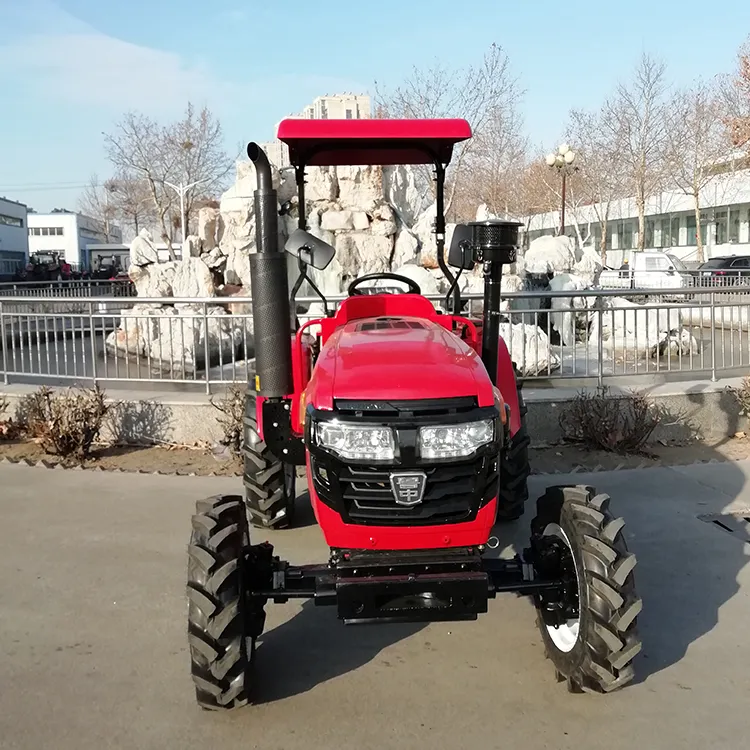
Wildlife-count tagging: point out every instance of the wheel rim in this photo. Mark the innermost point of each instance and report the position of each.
(564, 636)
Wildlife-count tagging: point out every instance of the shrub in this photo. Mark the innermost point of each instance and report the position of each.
(65, 423)
(742, 394)
(619, 424)
(8, 428)
(232, 408)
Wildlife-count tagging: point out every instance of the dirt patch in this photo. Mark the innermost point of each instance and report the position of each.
(551, 459)
(144, 459)
(556, 459)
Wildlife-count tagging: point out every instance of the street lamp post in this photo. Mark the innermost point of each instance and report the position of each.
(182, 190)
(563, 162)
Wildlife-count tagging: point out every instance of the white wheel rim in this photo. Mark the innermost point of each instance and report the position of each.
(565, 636)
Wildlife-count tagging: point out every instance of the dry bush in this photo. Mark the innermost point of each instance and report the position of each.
(232, 408)
(65, 423)
(742, 394)
(8, 428)
(619, 424)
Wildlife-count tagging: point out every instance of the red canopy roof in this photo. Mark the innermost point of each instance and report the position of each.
(334, 142)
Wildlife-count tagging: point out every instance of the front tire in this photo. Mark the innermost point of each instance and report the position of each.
(593, 640)
(269, 483)
(218, 616)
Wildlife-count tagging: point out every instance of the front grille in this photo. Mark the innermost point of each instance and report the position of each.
(453, 493)
(362, 494)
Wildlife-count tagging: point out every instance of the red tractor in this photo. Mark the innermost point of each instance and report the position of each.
(410, 425)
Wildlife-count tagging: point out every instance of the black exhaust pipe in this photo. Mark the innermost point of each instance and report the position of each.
(272, 324)
(495, 244)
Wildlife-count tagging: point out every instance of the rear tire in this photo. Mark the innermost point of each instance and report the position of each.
(269, 483)
(514, 467)
(594, 643)
(218, 616)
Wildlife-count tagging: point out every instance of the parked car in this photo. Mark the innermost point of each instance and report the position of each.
(727, 270)
(648, 270)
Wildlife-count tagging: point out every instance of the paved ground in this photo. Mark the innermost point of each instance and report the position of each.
(92, 634)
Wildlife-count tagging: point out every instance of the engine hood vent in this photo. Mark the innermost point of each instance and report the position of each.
(383, 324)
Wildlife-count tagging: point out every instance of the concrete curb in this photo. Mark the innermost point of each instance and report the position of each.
(575, 469)
(42, 464)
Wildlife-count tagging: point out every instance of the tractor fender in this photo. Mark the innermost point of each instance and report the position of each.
(506, 383)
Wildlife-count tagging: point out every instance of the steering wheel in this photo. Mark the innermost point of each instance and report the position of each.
(353, 291)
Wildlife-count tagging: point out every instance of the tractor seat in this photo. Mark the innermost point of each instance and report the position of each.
(383, 305)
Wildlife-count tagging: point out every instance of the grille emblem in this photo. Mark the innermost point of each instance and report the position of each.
(408, 488)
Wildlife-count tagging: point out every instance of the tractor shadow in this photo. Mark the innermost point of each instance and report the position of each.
(688, 567)
(314, 647)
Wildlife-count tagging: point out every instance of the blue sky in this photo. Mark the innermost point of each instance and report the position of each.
(72, 67)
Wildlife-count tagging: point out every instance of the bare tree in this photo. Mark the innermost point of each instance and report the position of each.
(735, 94)
(184, 152)
(637, 115)
(95, 201)
(696, 141)
(496, 162)
(486, 95)
(132, 200)
(121, 200)
(599, 181)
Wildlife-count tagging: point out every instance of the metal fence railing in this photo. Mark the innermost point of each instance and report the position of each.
(50, 297)
(577, 336)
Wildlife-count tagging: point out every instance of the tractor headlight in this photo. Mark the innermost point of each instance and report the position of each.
(455, 440)
(356, 442)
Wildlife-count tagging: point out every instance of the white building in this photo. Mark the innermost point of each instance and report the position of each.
(14, 238)
(670, 220)
(335, 107)
(69, 233)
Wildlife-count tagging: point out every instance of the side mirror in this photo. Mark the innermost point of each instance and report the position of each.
(461, 254)
(310, 249)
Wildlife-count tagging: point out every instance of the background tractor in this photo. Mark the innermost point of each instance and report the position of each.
(410, 425)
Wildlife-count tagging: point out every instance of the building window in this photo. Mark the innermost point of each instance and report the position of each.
(691, 230)
(734, 225)
(721, 227)
(625, 235)
(674, 231)
(649, 233)
(348, 114)
(11, 221)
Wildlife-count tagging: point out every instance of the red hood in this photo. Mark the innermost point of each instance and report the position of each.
(403, 358)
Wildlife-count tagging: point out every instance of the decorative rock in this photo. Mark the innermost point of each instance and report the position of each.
(632, 330)
(360, 187)
(137, 329)
(191, 247)
(360, 253)
(153, 280)
(186, 339)
(529, 349)
(209, 220)
(401, 192)
(322, 184)
(384, 221)
(142, 249)
(193, 279)
(422, 276)
(214, 259)
(336, 221)
(564, 319)
(406, 247)
(550, 255)
(360, 220)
